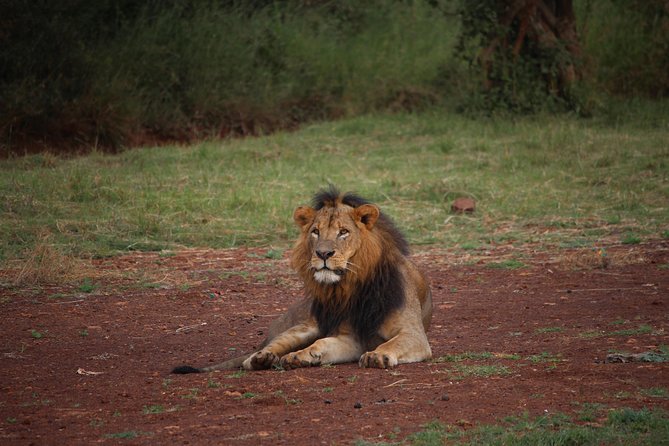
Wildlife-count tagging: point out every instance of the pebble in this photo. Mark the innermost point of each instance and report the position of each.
(445, 397)
(357, 405)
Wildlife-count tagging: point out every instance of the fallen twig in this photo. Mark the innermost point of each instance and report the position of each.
(190, 327)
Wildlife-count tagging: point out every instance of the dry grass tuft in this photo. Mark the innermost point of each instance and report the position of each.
(45, 264)
(600, 258)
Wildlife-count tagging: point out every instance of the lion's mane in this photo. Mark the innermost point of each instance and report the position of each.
(366, 296)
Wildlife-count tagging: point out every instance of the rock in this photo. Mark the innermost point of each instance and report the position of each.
(445, 397)
(357, 405)
(463, 205)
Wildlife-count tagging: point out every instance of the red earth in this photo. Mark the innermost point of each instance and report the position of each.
(515, 331)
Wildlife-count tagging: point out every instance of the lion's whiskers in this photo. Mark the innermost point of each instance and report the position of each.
(352, 267)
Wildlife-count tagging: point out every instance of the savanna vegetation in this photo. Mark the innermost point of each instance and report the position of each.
(116, 73)
(551, 114)
(434, 99)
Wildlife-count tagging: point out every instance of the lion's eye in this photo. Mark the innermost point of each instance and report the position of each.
(315, 232)
(343, 233)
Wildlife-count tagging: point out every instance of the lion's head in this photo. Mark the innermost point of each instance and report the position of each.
(342, 239)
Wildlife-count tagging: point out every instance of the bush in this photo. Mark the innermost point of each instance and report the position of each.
(108, 72)
(627, 44)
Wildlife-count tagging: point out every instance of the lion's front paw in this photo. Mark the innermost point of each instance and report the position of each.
(303, 358)
(377, 360)
(264, 359)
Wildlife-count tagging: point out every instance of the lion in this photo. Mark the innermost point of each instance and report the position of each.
(366, 301)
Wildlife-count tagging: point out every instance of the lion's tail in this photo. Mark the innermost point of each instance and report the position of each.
(230, 364)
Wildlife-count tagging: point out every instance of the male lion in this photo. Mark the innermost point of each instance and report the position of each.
(365, 300)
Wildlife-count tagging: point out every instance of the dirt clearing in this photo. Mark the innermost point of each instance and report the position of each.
(514, 331)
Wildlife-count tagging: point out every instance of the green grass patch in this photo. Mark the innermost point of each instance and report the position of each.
(655, 392)
(211, 194)
(128, 435)
(643, 329)
(87, 286)
(631, 239)
(590, 412)
(458, 357)
(213, 384)
(474, 356)
(236, 375)
(644, 427)
(153, 409)
(544, 357)
(549, 330)
(507, 264)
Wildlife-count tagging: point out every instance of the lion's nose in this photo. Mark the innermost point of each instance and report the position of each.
(324, 254)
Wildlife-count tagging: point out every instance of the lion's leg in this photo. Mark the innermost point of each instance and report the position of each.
(403, 348)
(288, 341)
(331, 350)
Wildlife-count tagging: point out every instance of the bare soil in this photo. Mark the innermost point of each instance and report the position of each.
(90, 363)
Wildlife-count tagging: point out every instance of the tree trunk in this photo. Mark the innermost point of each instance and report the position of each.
(549, 24)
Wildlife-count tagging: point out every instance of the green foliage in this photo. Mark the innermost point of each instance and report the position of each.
(627, 44)
(103, 72)
(82, 75)
(505, 78)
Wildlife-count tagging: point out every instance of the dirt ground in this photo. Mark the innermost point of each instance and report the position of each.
(90, 363)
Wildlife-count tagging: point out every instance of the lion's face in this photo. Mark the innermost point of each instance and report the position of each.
(334, 235)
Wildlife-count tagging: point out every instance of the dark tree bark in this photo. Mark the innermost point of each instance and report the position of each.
(548, 24)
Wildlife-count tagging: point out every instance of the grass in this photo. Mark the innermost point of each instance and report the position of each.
(507, 264)
(127, 435)
(474, 356)
(153, 409)
(546, 180)
(549, 330)
(643, 427)
(462, 371)
(642, 329)
(544, 357)
(655, 392)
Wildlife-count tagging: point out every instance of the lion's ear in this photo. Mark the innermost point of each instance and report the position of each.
(367, 214)
(304, 216)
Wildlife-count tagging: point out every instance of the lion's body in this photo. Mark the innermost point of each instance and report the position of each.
(366, 300)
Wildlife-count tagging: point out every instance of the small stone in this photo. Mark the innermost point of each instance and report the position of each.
(357, 405)
(463, 205)
(327, 402)
(445, 397)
